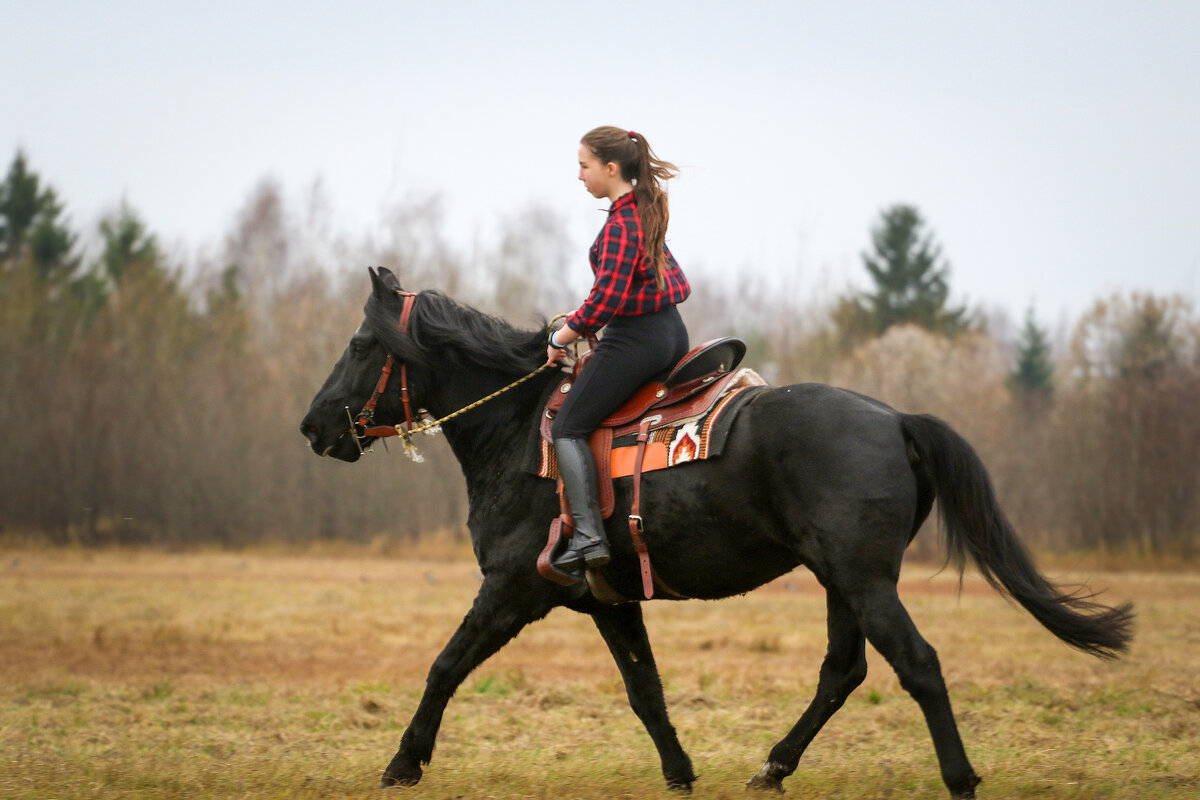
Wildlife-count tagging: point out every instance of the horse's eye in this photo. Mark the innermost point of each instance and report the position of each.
(359, 349)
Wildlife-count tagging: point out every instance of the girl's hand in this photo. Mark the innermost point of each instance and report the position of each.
(563, 336)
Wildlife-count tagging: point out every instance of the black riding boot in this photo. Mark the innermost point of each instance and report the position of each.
(588, 544)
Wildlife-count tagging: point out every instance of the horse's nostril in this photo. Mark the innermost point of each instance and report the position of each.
(311, 432)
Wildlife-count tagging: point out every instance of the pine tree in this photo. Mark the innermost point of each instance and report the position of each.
(911, 278)
(1033, 373)
(32, 224)
(128, 245)
(1148, 349)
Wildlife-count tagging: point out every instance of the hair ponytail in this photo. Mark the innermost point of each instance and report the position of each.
(638, 163)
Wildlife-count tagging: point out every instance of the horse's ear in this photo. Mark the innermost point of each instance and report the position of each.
(383, 282)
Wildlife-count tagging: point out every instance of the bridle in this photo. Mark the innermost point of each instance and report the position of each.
(366, 417)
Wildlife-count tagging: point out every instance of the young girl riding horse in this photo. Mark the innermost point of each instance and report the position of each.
(638, 283)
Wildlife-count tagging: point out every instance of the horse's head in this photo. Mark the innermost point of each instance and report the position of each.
(335, 419)
(449, 355)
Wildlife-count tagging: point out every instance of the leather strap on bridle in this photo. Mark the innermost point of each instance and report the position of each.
(367, 415)
(368, 410)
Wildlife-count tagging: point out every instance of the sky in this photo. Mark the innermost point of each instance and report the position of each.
(1053, 148)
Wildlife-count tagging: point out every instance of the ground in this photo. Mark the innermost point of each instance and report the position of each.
(133, 674)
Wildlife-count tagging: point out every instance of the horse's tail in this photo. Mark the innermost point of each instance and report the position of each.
(975, 524)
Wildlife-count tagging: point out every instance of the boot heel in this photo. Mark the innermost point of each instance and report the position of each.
(570, 561)
(596, 556)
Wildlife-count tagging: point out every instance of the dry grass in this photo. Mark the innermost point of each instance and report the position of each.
(168, 676)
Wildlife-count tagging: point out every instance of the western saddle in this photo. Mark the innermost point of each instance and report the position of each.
(694, 385)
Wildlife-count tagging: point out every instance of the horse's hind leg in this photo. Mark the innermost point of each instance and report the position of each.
(844, 668)
(625, 633)
(891, 631)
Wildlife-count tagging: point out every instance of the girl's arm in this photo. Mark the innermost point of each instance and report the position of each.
(618, 250)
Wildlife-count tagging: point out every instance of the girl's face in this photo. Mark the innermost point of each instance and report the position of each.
(599, 179)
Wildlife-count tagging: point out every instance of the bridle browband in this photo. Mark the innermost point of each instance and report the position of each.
(366, 417)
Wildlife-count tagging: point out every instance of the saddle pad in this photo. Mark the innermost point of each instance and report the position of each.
(681, 441)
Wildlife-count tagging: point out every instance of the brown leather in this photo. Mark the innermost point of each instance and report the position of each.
(601, 443)
(558, 398)
(653, 393)
(715, 355)
(603, 591)
(623, 459)
(658, 395)
(683, 401)
(634, 407)
(410, 300)
(635, 512)
(653, 404)
(367, 415)
(545, 566)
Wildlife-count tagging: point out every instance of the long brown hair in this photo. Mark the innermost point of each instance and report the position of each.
(631, 152)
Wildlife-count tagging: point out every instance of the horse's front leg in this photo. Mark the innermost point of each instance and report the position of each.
(500, 611)
(625, 633)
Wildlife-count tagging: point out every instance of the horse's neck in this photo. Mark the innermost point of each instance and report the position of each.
(488, 441)
(488, 454)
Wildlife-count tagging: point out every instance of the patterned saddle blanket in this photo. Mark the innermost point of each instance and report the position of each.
(692, 429)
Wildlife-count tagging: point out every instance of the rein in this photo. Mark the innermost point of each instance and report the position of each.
(406, 430)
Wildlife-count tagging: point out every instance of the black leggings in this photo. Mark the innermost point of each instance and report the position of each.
(634, 350)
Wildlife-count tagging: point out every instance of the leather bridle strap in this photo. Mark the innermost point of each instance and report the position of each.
(367, 415)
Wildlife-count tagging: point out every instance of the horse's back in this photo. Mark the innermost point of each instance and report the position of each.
(837, 426)
(807, 471)
(840, 474)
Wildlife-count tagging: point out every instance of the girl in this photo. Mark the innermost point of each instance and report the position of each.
(638, 284)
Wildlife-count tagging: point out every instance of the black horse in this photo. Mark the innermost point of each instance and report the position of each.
(810, 475)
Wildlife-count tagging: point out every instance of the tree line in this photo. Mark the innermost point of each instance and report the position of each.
(151, 398)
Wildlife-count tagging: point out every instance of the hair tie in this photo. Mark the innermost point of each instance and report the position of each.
(633, 136)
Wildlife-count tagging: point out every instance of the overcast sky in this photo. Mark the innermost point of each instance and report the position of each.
(1053, 147)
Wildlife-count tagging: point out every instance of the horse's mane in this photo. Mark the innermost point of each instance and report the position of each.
(441, 328)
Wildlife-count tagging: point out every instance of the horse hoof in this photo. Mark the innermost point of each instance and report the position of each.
(388, 781)
(680, 787)
(967, 793)
(769, 779)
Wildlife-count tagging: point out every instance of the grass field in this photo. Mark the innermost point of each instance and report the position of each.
(170, 676)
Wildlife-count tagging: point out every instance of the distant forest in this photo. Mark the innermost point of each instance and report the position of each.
(150, 398)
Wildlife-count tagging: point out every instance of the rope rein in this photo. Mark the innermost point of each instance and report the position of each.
(405, 430)
(400, 431)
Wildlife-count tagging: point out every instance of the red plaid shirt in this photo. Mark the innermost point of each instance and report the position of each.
(625, 284)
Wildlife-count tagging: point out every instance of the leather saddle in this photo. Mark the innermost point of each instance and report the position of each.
(692, 386)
